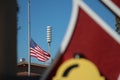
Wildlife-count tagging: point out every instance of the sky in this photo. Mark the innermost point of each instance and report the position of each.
(54, 13)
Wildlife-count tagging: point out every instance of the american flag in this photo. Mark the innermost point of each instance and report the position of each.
(37, 52)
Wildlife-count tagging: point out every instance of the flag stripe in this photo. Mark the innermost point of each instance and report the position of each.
(33, 52)
(39, 58)
(40, 53)
(37, 52)
(41, 50)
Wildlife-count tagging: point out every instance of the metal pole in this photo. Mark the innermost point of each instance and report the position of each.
(49, 50)
(49, 37)
(49, 47)
(29, 57)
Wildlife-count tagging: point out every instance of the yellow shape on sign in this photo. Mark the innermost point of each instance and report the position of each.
(78, 69)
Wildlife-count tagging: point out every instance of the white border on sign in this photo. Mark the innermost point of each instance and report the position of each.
(112, 6)
(93, 15)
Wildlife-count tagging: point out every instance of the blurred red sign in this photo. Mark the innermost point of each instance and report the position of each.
(90, 36)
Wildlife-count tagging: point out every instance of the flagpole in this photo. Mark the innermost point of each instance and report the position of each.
(29, 57)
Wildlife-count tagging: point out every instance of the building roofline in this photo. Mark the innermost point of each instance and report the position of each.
(32, 64)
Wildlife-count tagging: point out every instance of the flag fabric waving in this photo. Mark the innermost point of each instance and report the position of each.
(90, 36)
(37, 52)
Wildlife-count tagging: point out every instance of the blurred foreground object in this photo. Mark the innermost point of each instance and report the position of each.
(88, 34)
(8, 35)
(81, 66)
